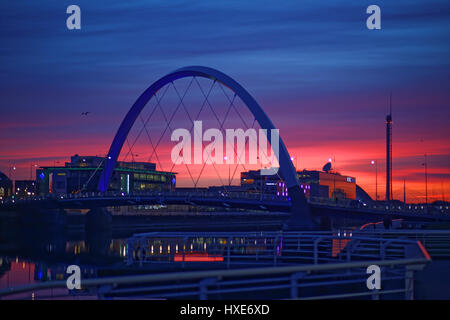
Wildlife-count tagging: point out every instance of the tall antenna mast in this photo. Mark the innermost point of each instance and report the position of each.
(389, 152)
(426, 181)
(390, 113)
(390, 103)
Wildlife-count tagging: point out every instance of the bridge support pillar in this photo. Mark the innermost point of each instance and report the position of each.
(301, 218)
(98, 219)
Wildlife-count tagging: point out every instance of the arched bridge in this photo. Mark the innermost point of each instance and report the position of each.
(300, 209)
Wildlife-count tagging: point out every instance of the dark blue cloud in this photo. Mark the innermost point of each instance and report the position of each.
(302, 43)
(281, 51)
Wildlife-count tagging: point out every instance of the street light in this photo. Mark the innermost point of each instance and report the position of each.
(330, 160)
(292, 159)
(374, 162)
(229, 181)
(11, 176)
(425, 164)
(31, 170)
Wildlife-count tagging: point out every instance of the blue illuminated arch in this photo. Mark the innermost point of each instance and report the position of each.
(287, 169)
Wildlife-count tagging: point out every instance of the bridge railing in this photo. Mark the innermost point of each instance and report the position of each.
(263, 248)
(230, 195)
(319, 281)
(436, 242)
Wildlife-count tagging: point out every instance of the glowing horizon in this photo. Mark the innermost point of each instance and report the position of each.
(322, 77)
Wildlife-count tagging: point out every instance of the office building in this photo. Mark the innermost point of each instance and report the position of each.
(82, 174)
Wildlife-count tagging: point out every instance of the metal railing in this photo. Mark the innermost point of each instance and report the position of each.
(306, 265)
(436, 242)
(322, 281)
(263, 248)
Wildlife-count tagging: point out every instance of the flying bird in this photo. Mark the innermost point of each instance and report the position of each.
(85, 113)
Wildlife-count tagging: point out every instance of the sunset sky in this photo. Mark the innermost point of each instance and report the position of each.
(322, 77)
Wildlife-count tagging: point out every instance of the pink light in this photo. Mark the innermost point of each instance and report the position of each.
(196, 257)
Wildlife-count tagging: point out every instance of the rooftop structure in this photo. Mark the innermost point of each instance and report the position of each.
(313, 183)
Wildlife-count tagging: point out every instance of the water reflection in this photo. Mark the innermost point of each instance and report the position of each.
(35, 255)
(15, 272)
(32, 256)
(45, 256)
(166, 248)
